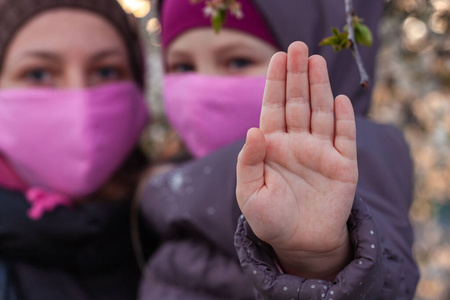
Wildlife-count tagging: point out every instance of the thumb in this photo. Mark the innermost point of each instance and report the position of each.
(250, 166)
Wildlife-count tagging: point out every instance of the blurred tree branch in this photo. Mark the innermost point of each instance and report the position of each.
(350, 14)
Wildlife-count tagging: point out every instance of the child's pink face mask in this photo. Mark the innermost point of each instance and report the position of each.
(211, 112)
(69, 142)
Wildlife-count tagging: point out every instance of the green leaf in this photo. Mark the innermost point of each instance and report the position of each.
(335, 31)
(329, 41)
(345, 43)
(363, 35)
(339, 40)
(218, 20)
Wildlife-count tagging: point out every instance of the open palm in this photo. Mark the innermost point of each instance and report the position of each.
(297, 174)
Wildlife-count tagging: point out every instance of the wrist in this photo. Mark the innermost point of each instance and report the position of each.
(318, 265)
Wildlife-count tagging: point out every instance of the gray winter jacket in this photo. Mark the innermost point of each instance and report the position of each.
(209, 250)
(194, 210)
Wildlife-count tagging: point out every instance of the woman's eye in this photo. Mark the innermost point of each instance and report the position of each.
(38, 76)
(181, 68)
(239, 63)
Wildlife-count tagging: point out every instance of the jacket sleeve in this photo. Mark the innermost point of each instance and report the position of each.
(379, 228)
(193, 209)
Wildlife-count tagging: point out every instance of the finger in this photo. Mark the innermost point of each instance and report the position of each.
(345, 139)
(322, 106)
(250, 166)
(273, 107)
(298, 110)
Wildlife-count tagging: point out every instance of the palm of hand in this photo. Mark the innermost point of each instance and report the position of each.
(297, 175)
(310, 212)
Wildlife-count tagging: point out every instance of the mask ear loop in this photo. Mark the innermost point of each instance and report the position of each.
(135, 232)
(134, 229)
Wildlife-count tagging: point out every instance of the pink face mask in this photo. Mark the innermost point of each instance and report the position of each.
(211, 112)
(65, 144)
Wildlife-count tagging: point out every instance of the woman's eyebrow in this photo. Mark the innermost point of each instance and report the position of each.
(43, 55)
(106, 53)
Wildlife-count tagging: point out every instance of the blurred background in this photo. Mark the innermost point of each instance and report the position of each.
(412, 91)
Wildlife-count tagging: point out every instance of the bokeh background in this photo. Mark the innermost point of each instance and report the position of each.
(412, 91)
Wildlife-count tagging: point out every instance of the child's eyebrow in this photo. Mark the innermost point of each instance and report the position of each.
(179, 54)
(230, 47)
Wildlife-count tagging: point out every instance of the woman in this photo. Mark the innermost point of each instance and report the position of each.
(72, 109)
(210, 106)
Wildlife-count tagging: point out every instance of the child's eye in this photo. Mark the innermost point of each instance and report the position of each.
(239, 63)
(108, 73)
(181, 68)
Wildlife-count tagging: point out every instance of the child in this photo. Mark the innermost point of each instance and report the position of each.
(71, 112)
(354, 243)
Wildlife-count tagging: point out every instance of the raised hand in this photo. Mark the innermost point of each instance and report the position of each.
(297, 174)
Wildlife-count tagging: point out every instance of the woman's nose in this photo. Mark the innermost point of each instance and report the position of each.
(75, 78)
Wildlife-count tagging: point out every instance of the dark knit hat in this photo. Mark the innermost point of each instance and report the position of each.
(15, 13)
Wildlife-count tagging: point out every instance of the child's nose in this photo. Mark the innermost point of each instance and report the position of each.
(208, 68)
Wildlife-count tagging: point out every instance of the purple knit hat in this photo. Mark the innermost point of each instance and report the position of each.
(178, 16)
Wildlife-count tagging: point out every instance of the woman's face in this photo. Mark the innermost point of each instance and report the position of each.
(65, 48)
(230, 52)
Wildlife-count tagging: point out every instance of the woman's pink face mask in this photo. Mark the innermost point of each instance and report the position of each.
(69, 142)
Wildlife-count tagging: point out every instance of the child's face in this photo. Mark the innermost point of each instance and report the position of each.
(65, 48)
(230, 52)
